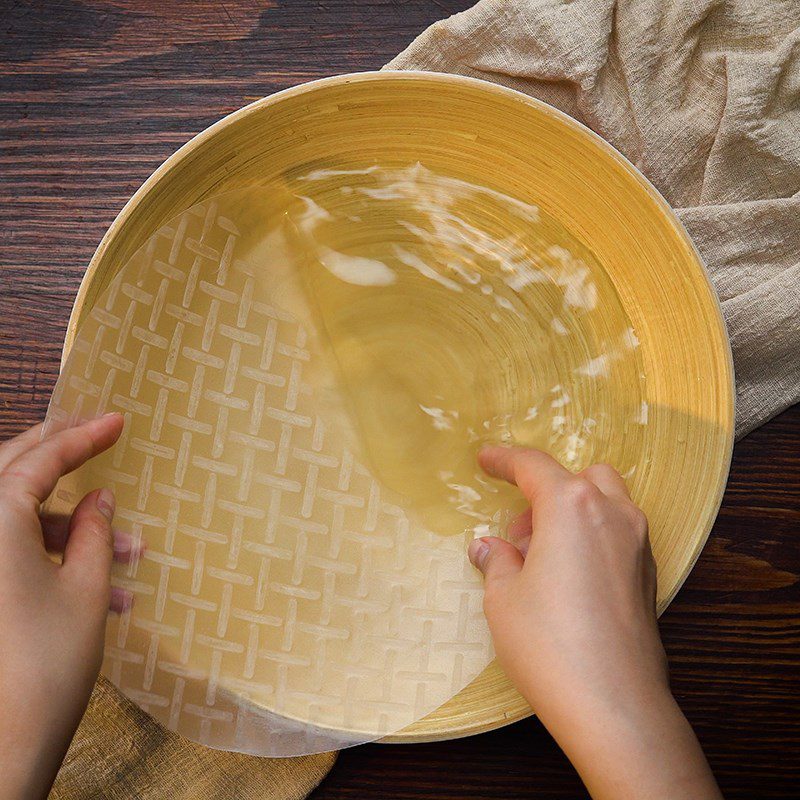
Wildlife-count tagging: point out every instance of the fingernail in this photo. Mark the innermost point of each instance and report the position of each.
(126, 547)
(121, 600)
(477, 551)
(486, 448)
(123, 545)
(106, 503)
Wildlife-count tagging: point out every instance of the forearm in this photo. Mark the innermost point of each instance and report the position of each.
(639, 747)
(26, 771)
(34, 738)
(571, 603)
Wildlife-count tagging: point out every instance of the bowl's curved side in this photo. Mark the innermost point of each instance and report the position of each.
(528, 149)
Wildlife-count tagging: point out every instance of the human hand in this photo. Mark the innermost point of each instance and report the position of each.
(52, 616)
(571, 604)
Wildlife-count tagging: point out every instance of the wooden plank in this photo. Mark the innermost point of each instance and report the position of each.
(95, 95)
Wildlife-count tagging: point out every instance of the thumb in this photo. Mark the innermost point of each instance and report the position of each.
(90, 546)
(495, 558)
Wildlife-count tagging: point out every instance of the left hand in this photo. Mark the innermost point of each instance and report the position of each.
(52, 615)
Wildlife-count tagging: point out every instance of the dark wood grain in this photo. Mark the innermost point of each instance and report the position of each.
(93, 96)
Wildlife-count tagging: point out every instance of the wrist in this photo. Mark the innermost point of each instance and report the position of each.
(33, 743)
(584, 719)
(21, 770)
(631, 744)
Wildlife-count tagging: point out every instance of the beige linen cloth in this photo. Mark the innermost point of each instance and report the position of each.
(704, 97)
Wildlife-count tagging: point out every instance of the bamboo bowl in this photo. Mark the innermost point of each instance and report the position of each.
(483, 132)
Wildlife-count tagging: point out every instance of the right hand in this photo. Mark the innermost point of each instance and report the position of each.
(571, 604)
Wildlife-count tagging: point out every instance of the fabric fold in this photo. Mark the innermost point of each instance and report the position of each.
(119, 752)
(704, 98)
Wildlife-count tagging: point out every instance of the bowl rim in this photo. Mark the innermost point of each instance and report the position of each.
(479, 85)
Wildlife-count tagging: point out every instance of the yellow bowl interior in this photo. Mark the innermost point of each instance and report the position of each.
(488, 135)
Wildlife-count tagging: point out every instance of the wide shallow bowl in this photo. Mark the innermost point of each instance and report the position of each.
(486, 134)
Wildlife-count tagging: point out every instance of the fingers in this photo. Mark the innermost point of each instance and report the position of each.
(12, 448)
(533, 471)
(495, 558)
(90, 545)
(85, 539)
(35, 472)
(520, 530)
(121, 600)
(607, 479)
(125, 547)
(55, 531)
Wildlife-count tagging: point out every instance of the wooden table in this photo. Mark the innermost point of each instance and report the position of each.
(94, 95)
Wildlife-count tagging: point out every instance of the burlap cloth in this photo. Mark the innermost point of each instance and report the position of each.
(120, 753)
(704, 97)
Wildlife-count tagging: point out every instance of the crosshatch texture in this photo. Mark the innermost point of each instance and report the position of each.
(286, 602)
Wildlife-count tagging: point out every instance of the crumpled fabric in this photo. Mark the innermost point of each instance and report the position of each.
(120, 752)
(703, 96)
